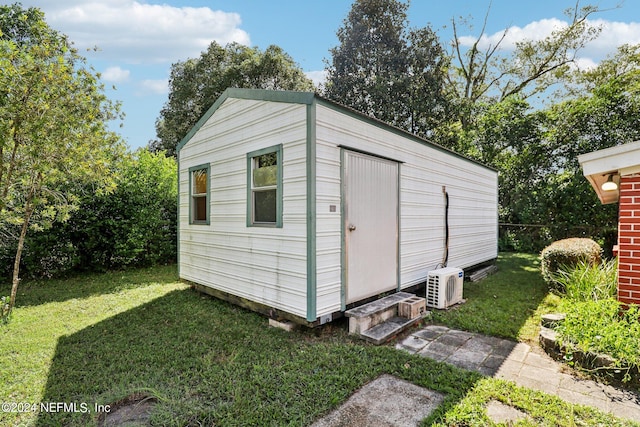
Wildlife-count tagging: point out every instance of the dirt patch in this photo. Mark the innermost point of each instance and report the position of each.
(133, 410)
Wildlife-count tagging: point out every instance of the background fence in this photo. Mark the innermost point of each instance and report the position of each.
(532, 238)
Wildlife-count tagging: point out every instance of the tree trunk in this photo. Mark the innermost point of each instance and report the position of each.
(16, 263)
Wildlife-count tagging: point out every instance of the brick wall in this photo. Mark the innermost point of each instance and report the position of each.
(629, 240)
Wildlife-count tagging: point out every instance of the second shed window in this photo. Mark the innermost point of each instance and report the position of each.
(265, 182)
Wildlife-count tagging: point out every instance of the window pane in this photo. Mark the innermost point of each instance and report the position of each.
(265, 176)
(200, 208)
(200, 181)
(264, 206)
(270, 159)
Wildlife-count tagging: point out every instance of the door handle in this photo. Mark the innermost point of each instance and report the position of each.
(352, 227)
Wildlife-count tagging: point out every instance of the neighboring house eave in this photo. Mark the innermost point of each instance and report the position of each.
(619, 161)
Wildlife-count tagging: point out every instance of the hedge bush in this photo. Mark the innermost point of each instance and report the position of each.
(135, 225)
(568, 253)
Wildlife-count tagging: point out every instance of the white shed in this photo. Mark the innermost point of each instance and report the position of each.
(298, 207)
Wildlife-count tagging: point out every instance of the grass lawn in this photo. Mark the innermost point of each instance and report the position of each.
(97, 339)
(507, 304)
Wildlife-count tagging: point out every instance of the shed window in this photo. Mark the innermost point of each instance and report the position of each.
(264, 184)
(199, 194)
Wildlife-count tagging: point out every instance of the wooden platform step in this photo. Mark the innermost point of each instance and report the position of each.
(478, 275)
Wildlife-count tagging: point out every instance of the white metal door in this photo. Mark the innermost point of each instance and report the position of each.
(371, 225)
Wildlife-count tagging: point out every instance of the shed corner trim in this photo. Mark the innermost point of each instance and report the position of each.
(311, 213)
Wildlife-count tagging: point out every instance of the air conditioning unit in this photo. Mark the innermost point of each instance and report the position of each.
(444, 287)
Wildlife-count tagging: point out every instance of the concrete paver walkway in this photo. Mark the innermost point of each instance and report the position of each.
(517, 362)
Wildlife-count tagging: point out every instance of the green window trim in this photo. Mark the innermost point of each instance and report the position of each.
(199, 196)
(262, 183)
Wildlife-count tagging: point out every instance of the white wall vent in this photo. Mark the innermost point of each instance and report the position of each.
(444, 287)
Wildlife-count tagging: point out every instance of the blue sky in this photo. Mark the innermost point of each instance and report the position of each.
(139, 40)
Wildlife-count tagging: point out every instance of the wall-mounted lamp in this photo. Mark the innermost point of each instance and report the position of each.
(609, 184)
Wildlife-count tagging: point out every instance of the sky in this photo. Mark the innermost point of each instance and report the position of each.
(138, 41)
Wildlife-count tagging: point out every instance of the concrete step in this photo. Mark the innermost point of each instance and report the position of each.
(383, 319)
(369, 315)
(388, 329)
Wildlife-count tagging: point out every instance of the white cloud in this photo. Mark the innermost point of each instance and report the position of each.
(116, 75)
(613, 34)
(536, 30)
(155, 87)
(317, 77)
(136, 32)
(585, 64)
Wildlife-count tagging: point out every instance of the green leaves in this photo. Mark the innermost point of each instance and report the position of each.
(52, 118)
(383, 69)
(195, 84)
(133, 224)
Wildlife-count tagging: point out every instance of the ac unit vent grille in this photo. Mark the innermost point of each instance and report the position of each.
(444, 287)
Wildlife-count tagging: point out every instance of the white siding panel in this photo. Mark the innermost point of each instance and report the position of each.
(328, 226)
(266, 265)
(472, 190)
(328, 256)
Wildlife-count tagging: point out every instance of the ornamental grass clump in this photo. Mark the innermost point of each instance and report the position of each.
(597, 326)
(588, 282)
(567, 254)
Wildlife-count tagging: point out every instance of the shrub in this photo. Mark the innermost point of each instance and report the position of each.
(135, 225)
(568, 253)
(604, 327)
(588, 282)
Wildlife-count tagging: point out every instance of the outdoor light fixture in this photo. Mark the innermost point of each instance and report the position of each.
(609, 185)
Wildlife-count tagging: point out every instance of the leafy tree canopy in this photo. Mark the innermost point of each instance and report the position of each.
(195, 84)
(383, 69)
(485, 73)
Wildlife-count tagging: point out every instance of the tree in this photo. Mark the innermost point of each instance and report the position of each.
(386, 71)
(53, 130)
(195, 84)
(607, 112)
(605, 115)
(536, 151)
(486, 75)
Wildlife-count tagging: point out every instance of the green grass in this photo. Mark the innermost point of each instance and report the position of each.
(507, 304)
(542, 409)
(99, 338)
(603, 327)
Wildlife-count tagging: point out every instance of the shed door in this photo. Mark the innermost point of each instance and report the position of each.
(371, 225)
